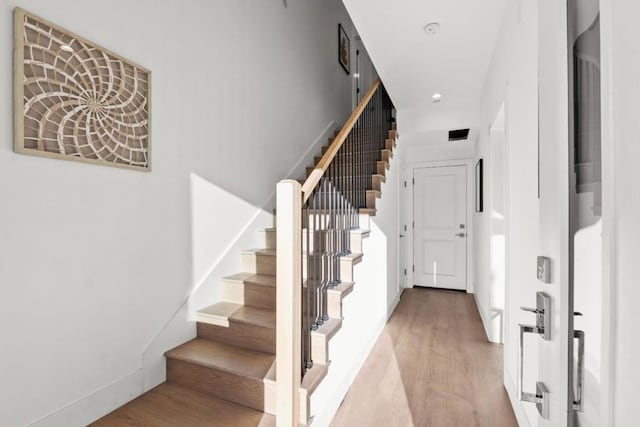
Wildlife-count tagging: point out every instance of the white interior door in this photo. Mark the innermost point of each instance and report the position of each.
(403, 239)
(585, 203)
(440, 227)
(553, 127)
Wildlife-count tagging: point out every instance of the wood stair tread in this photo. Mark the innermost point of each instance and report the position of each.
(343, 288)
(217, 314)
(355, 257)
(311, 380)
(238, 277)
(215, 355)
(170, 405)
(365, 233)
(254, 279)
(328, 328)
(314, 377)
(260, 251)
(255, 316)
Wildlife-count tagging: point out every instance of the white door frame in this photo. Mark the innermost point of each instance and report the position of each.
(468, 164)
(609, 212)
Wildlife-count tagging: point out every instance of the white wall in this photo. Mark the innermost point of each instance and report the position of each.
(438, 153)
(493, 301)
(375, 295)
(94, 261)
(512, 80)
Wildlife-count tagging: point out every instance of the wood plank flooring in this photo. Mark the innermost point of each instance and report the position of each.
(169, 405)
(432, 366)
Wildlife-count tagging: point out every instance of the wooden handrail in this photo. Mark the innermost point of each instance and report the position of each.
(319, 170)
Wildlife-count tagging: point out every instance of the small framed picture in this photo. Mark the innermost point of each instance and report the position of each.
(344, 49)
(479, 186)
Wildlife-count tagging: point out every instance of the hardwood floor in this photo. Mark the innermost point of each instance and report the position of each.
(432, 366)
(169, 405)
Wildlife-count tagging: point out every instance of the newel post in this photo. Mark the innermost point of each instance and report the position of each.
(288, 302)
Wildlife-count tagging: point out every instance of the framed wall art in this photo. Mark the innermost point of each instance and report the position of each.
(78, 101)
(479, 196)
(344, 49)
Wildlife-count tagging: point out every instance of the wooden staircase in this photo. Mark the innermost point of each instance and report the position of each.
(226, 375)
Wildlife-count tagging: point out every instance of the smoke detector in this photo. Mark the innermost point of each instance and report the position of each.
(432, 28)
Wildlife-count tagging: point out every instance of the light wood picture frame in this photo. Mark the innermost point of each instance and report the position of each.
(75, 100)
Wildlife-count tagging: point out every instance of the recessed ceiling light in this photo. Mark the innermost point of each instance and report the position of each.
(66, 48)
(432, 28)
(437, 97)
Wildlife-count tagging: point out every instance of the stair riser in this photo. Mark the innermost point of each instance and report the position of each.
(259, 263)
(267, 239)
(382, 168)
(241, 335)
(386, 156)
(346, 269)
(234, 388)
(356, 243)
(249, 295)
(334, 305)
(371, 200)
(376, 183)
(355, 240)
(364, 221)
(319, 350)
(383, 165)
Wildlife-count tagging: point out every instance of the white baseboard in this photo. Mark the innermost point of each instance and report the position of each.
(394, 304)
(96, 405)
(483, 318)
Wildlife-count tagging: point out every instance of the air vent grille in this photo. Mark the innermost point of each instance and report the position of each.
(458, 134)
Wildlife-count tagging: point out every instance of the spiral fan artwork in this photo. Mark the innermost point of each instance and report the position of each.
(78, 101)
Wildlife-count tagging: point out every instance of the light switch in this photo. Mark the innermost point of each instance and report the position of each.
(544, 269)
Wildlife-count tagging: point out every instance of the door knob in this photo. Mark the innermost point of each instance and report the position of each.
(461, 234)
(402, 235)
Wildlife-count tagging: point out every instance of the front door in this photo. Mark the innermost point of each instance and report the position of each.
(585, 211)
(440, 227)
(554, 367)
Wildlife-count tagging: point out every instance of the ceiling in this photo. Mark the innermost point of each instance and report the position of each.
(413, 65)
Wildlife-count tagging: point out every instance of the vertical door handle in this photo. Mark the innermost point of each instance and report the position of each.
(542, 328)
(541, 397)
(578, 404)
